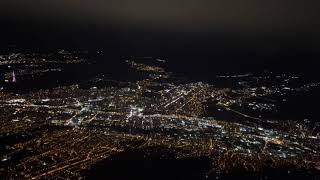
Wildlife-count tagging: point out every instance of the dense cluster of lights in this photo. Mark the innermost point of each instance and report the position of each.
(59, 132)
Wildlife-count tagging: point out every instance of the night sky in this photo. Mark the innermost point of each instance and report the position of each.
(249, 27)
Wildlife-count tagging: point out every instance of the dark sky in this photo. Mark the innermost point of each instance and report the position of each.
(245, 15)
(269, 24)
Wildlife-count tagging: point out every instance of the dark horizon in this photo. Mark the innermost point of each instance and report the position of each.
(231, 28)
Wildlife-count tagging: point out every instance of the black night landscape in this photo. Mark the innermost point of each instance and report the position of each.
(159, 89)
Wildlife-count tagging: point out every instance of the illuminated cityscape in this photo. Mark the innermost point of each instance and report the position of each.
(62, 132)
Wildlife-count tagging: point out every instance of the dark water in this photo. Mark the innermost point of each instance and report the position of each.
(155, 163)
(160, 163)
